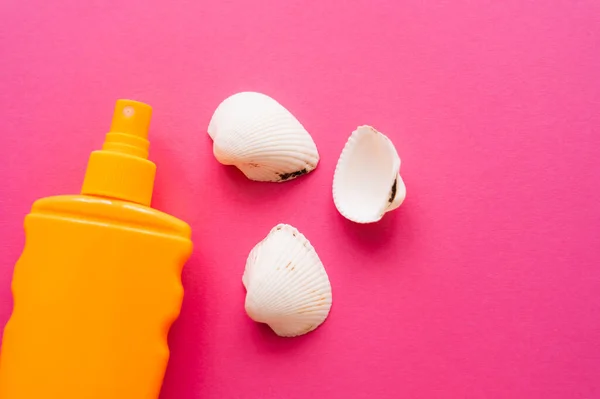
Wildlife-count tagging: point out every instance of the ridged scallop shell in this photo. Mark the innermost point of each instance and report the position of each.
(286, 283)
(367, 182)
(261, 138)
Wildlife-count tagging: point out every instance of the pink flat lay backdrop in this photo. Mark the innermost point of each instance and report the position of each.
(484, 284)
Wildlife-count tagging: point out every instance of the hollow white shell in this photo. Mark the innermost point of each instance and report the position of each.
(367, 182)
(261, 138)
(286, 283)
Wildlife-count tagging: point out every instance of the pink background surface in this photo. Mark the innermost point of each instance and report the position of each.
(484, 284)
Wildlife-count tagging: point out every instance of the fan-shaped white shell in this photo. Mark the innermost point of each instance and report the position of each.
(261, 138)
(367, 181)
(287, 286)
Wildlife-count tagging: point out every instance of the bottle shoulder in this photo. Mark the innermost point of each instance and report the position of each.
(111, 211)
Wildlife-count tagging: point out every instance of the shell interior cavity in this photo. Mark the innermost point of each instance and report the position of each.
(367, 182)
(286, 283)
(261, 138)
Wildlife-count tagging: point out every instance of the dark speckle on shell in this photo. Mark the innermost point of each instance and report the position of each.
(393, 192)
(291, 175)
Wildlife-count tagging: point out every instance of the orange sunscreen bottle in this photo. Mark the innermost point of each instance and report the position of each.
(98, 284)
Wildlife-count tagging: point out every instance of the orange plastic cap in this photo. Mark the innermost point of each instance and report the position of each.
(121, 170)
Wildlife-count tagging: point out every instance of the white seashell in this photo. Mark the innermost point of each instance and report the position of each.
(367, 182)
(286, 283)
(261, 138)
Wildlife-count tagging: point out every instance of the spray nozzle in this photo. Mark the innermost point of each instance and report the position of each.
(129, 129)
(121, 169)
(131, 117)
